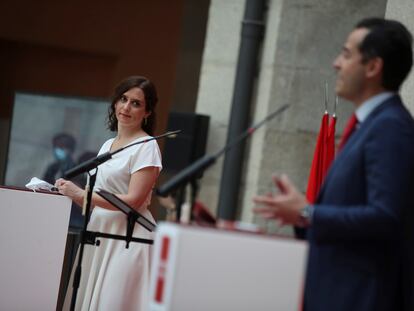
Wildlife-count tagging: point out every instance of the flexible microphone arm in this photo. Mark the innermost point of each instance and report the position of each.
(201, 164)
(95, 162)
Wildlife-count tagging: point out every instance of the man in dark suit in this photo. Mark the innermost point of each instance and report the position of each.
(361, 229)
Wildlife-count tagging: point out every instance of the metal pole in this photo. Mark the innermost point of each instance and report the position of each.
(251, 37)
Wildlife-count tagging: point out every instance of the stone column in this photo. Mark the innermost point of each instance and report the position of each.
(302, 38)
(216, 84)
(403, 11)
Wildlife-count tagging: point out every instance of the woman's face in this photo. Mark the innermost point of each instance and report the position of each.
(130, 109)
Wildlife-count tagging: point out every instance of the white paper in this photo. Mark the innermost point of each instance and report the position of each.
(38, 184)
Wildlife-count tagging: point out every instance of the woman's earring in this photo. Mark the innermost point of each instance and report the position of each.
(145, 121)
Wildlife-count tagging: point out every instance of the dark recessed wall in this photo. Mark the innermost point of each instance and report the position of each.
(83, 48)
(193, 30)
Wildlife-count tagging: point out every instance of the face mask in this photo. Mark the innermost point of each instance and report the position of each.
(59, 153)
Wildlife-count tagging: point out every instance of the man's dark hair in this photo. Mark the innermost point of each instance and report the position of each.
(64, 140)
(151, 99)
(391, 41)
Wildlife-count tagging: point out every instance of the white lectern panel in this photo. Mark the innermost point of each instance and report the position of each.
(200, 269)
(33, 230)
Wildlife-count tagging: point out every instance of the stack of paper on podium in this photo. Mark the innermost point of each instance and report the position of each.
(196, 268)
(33, 230)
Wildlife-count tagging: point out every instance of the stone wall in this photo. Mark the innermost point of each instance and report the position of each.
(302, 38)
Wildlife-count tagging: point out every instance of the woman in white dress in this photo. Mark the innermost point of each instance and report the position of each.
(114, 277)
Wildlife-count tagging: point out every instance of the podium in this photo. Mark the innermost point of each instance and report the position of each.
(196, 268)
(33, 230)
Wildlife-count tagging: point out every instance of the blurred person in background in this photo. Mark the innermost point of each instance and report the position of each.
(63, 148)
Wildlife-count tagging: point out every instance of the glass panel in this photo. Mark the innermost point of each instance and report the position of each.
(40, 120)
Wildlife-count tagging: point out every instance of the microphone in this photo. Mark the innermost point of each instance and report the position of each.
(201, 164)
(95, 162)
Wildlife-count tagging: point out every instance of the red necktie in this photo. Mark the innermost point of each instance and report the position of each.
(349, 129)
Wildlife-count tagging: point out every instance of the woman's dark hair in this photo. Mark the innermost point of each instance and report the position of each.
(151, 99)
(391, 41)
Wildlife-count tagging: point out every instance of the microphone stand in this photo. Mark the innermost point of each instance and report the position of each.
(95, 162)
(88, 237)
(188, 174)
(87, 205)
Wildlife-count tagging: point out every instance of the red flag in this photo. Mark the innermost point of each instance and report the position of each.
(322, 158)
(315, 176)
